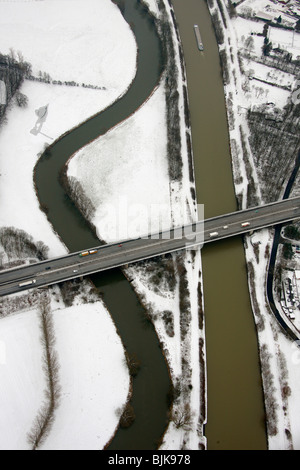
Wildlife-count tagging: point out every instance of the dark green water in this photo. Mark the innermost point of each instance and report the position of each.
(235, 406)
(152, 384)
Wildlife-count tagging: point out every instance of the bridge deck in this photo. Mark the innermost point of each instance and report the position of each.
(122, 253)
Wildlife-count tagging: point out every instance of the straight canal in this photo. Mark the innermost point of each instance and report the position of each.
(236, 418)
(152, 384)
(235, 405)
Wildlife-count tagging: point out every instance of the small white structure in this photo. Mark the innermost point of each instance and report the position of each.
(2, 93)
(261, 15)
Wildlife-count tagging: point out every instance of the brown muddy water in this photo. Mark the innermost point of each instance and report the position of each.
(236, 418)
(235, 405)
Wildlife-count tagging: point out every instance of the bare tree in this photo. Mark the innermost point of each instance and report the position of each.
(44, 420)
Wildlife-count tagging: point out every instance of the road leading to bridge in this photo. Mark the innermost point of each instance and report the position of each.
(122, 253)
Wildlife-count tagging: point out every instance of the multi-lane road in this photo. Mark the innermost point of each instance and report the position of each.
(122, 253)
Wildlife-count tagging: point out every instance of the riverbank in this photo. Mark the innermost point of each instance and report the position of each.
(233, 379)
(279, 369)
(184, 347)
(67, 107)
(102, 169)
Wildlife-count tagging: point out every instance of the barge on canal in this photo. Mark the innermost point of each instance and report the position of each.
(198, 38)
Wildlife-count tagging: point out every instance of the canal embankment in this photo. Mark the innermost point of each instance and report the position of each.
(235, 415)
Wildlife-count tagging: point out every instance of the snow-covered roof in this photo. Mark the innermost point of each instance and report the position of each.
(264, 16)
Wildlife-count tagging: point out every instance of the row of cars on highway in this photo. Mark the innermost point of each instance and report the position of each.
(216, 234)
(81, 255)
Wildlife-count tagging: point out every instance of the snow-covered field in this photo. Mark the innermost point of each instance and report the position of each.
(79, 44)
(125, 175)
(71, 40)
(141, 174)
(22, 381)
(93, 378)
(49, 42)
(284, 39)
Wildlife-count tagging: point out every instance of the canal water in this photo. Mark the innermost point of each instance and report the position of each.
(235, 406)
(236, 418)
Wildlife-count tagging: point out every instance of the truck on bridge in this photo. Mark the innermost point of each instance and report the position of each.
(27, 283)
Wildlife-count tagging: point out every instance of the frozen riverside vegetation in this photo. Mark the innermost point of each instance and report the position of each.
(100, 60)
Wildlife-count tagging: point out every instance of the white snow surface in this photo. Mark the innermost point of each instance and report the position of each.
(125, 175)
(81, 44)
(77, 44)
(71, 40)
(93, 378)
(67, 106)
(131, 156)
(22, 381)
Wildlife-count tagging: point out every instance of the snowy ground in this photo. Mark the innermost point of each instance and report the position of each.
(22, 379)
(141, 175)
(288, 40)
(67, 106)
(88, 347)
(113, 158)
(77, 44)
(279, 356)
(81, 45)
(273, 8)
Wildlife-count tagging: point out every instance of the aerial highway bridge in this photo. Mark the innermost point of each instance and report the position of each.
(113, 255)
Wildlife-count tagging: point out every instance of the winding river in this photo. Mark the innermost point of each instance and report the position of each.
(235, 405)
(152, 384)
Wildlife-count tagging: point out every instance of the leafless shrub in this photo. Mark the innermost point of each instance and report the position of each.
(269, 391)
(19, 244)
(21, 99)
(168, 320)
(217, 24)
(275, 143)
(69, 290)
(260, 323)
(80, 199)
(133, 364)
(172, 95)
(44, 420)
(160, 272)
(184, 299)
(128, 416)
(182, 418)
(12, 304)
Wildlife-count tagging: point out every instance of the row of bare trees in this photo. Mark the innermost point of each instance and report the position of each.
(13, 71)
(45, 417)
